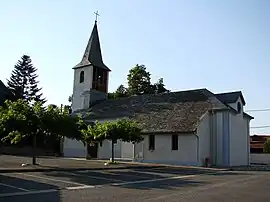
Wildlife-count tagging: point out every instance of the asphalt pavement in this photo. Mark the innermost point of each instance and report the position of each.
(153, 184)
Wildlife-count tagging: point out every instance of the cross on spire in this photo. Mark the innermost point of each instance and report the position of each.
(96, 13)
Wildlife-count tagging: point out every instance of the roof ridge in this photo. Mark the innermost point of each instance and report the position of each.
(239, 91)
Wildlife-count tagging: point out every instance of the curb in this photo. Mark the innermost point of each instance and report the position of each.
(24, 170)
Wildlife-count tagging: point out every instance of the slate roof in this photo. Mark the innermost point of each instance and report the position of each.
(167, 112)
(230, 97)
(92, 54)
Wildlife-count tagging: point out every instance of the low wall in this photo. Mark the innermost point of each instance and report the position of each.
(263, 158)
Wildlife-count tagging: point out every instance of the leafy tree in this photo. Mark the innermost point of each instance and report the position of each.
(267, 146)
(139, 81)
(123, 129)
(19, 120)
(111, 95)
(160, 87)
(70, 98)
(23, 81)
(121, 91)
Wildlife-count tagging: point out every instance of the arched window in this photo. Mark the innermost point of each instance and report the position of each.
(81, 76)
(239, 107)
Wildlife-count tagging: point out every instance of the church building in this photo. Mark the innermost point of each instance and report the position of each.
(183, 127)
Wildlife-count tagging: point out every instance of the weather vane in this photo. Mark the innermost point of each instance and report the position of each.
(96, 13)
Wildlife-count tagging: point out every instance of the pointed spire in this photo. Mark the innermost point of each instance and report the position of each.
(92, 54)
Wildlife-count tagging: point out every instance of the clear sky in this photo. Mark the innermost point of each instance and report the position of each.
(219, 45)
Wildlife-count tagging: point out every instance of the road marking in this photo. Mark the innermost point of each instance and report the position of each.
(124, 174)
(28, 193)
(93, 177)
(154, 180)
(10, 186)
(154, 173)
(80, 187)
(52, 179)
(204, 188)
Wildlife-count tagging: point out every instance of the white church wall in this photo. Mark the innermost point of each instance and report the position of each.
(79, 88)
(74, 148)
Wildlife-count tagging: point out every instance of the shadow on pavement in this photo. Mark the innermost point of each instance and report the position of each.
(14, 189)
(164, 184)
(229, 173)
(121, 178)
(91, 179)
(178, 171)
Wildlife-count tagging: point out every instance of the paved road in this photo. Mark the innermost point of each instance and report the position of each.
(135, 185)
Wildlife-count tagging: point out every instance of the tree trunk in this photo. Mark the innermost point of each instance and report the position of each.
(112, 150)
(34, 160)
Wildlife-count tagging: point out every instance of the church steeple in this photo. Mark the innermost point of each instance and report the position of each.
(92, 55)
(91, 75)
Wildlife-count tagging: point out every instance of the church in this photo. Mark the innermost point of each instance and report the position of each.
(188, 127)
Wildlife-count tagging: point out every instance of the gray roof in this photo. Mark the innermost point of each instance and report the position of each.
(231, 97)
(92, 54)
(167, 112)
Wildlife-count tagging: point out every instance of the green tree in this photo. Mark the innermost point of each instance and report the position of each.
(267, 146)
(23, 81)
(160, 87)
(124, 129)
(19, 120)
(111, 95)
(70, 99)
(121, 91)
(139, 81)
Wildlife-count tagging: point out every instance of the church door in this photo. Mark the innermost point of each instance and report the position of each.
(92, 150)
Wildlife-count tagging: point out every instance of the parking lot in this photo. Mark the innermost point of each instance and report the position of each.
(122, 184)
(40, 182)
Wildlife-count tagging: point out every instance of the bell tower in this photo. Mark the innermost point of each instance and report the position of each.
(91, 75)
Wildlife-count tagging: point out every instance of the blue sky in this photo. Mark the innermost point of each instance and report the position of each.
(219, 45)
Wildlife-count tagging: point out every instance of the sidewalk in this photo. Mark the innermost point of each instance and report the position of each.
(10, 163)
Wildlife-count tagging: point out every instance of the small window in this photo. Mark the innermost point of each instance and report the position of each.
(239, 107)
(81, 76)
(151, 142)
(174, 142)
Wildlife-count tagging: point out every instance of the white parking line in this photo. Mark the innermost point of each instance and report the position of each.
(52, 179)
(93, 177)
(11, 186)
(28, 193)
(154, 180)
(154, 173)
(80, 187)
(124, 174)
